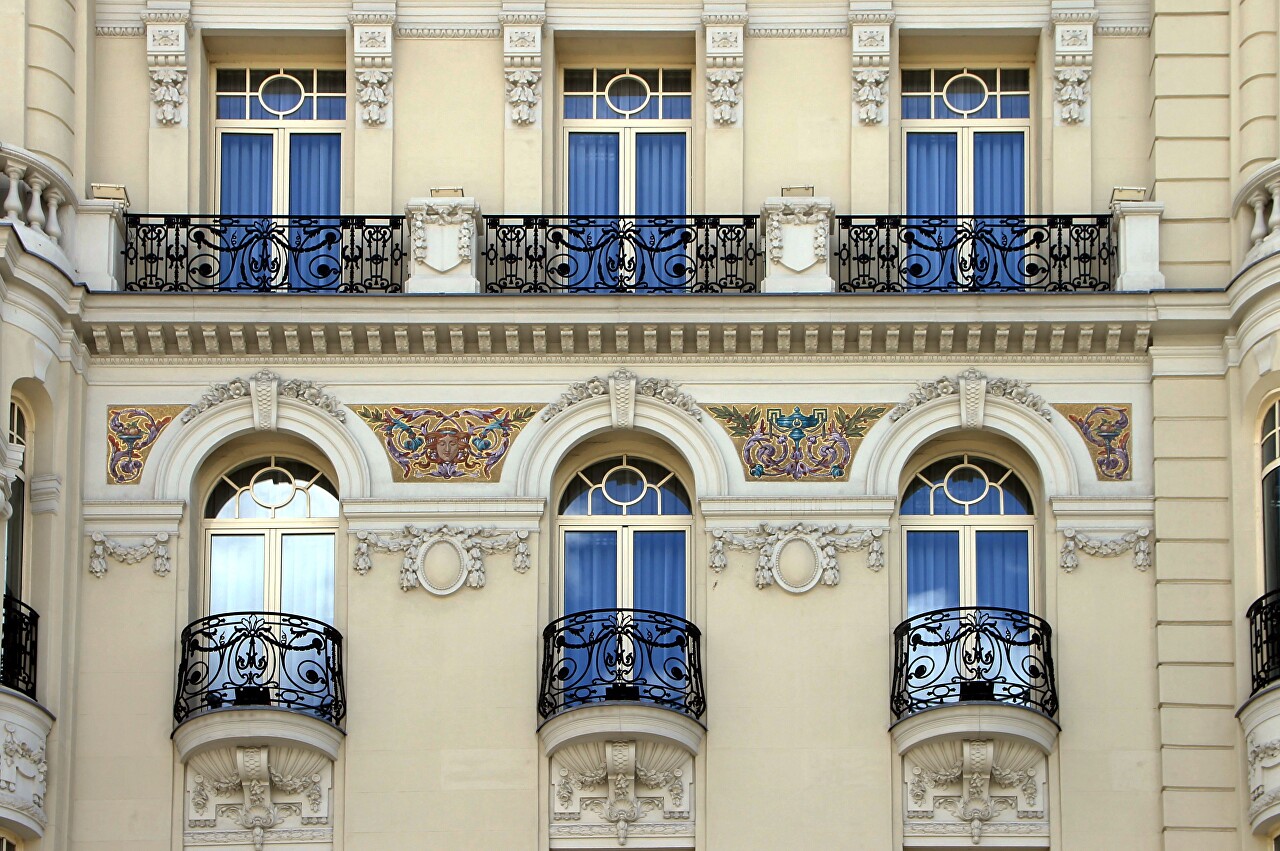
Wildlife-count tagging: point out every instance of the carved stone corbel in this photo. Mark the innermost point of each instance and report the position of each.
(167, 31)
(373, 33)
(725, 32)
(872, 55)
(522, 60)
(1073, 64)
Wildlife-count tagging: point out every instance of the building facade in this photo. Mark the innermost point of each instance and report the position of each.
(591, 423)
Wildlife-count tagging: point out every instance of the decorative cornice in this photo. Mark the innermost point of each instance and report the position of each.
(1140, 31)
(872, 17)
(372, 18)
(621, 385)
(823, 540)
(724, 19)
(470, 543)
(767, 31)
(155, 547)
(522, 19)
(1137, 541)
(449, 32)
(166, 17)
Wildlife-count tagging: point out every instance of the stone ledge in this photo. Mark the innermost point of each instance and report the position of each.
(231, 728)
(975, 720)
(601, 722)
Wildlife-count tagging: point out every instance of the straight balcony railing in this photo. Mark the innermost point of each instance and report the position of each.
(260, 659)
(264, 254)
(1264, 640)
(18, 646)
(621, 656)
(620, 254)
(973, 654)
(895, 254)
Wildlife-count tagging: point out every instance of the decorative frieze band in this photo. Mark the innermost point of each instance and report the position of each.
(822, 541)
(155, 548)
(1138, 542)
(470, 544)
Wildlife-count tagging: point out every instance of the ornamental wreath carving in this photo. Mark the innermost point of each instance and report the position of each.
(470, 544)
(822, 542)
(1137, 541)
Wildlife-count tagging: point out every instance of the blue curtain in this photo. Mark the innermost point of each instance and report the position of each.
(315, 185)
(658, 564)
(660, 192)
(590, 571)
(932, 163)
(933, 571)
(999, 190)
(245, 189)
(1002, 569)
(594, 183)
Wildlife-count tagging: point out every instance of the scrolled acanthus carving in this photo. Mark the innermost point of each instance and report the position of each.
(307, 392)
(622, 381)
(1071, 89)
(523, 94)
(372, 94)
(470, 543)
(168, 94)
(870, 85)
(1137, 541)
(155, 547)
(724, 93)
(824, 540)
(974, 386)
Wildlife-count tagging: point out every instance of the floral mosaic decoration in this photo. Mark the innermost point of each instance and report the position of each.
(424, 442)
(131, 432)
(1107, 430)
(794, 443)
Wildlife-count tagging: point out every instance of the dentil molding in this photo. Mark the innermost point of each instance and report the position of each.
(822, 541)
(155, 547)
(1138, 542)
(470, 544)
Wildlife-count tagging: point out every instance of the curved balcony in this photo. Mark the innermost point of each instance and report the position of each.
(26, 724)
(259, 663)
(621, 671)
(18, 647)
(969, 670)
(1260, 715)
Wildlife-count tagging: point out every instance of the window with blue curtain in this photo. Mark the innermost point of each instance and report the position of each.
(280, 154)
(625, 524)
(968, 523)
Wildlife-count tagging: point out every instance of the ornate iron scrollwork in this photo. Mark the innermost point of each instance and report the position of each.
(18, 647)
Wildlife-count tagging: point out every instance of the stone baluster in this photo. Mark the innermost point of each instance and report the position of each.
(1264, 200)
(1258, 201)
(1273, 223)
(13, 200)
(35, 211)
(53, 200)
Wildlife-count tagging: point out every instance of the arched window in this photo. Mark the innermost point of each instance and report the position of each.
(19, 508)
(624, 533)
(270, 527)
(1271, 496)
(968, 523)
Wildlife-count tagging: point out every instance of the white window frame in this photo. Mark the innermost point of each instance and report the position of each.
(273, 532)
(22, 472)
(967, 526)
(964, 129)
(627, 129)
(280, 130)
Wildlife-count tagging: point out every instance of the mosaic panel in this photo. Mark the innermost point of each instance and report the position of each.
(1106, 430)
(795, 442)
(131, 432)
(425, 442)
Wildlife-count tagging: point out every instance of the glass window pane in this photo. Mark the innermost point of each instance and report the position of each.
(1268, 449)
(230, 106)
(303, 76)
(232, 79)
(258, 76)
(1002, 569)
(323, 502)
(915, 107)
(964, 94)
(306, 576)
(941, 110)
(678, 106)
(603, 110)
(1269, 422)
(601, 507)
(626, 94)
(915, 80)
(677, 80)
(237, 566)
(577, 106)
(990, 109)
(650, 110)
(578, 79)
(590, 571)
(987, 75)
(1271, 528)
(14, 533)
(1015, 79)
(250, 510)
(332, 81)
(659, 571)
(331, 108)
(306, 112)
(258, 112)
(675, 499)
(1015, 106)
(933, 571)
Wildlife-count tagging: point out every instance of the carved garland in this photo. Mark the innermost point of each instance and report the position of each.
(973, 386)
(155, 547)
(1078, 542)
(471, 543)
(824, 541)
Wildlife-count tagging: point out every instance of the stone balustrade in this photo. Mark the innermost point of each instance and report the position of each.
(1261, 195)
(35, 192)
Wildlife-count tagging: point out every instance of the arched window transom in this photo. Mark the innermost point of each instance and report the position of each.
(624, 487)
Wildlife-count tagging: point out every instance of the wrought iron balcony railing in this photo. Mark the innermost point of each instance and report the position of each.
(18, 647)
(894, 254)
(1264, 640)
(621, 254)
(260, 659)
(621, 655)
(327, 254)
(972, 654)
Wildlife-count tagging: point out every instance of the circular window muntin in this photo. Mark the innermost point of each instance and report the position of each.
(302, 94)
(608, 96)
(966, 74)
